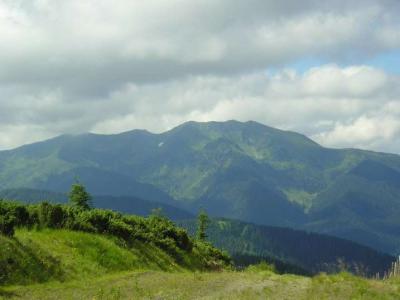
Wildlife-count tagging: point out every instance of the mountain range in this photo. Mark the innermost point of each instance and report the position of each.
(246, 171)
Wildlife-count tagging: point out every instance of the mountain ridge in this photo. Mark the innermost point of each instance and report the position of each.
(240, 170)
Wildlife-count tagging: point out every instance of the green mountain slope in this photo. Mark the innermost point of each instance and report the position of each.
(245, 171)
(312, 252)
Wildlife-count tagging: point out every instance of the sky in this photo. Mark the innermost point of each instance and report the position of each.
(327, 69)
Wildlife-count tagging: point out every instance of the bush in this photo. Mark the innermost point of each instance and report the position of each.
(11, 215)
(261, 267)
(120, 229)
(97, 218)
(213, 258)
(15, 211)
(48, 215)
(7, 224)
(182, 239)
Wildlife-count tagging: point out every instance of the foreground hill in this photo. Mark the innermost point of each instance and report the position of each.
(48, 242)
(62, 255)
(245, 171)
(106, 255)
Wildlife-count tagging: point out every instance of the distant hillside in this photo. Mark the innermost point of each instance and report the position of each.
(128, 204)
(245, 171)
(313, 252)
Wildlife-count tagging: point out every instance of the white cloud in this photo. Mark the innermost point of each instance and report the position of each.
(356, 81)
(109, 66)
(66, 42)
(376, 132)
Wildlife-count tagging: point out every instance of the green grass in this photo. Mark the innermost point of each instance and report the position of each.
(61, 264)
(303, 198)
(62, 255)
(217, 285)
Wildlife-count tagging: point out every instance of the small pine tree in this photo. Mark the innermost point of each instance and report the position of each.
(79, 197)
(202, 224)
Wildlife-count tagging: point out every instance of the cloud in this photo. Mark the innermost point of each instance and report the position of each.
(109, 66)
(101, 44)
(352, 106)
(379, 130)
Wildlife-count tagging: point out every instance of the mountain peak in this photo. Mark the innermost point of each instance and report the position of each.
(243, 170)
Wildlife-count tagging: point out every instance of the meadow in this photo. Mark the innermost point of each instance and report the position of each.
(64, 264)
(210, 285)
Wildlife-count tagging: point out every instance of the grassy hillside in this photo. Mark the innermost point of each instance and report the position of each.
(112, 256)
(46, 242)
(62, 255)
(244, 171)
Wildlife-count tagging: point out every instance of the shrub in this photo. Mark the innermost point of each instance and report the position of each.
(182, 239)
(97, 218)
(15, 211)
(213, 258)
(7, 224)
(140, 230)
(11, 215)
(120, 229)
(262, 267)
(48, 215)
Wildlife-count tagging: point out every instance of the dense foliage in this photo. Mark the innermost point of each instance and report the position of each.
(155, 229)
(124, 204)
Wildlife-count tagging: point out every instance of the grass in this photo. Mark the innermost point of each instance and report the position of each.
(217, 285)
(62, 255)
(303, 198)
(61, 264)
